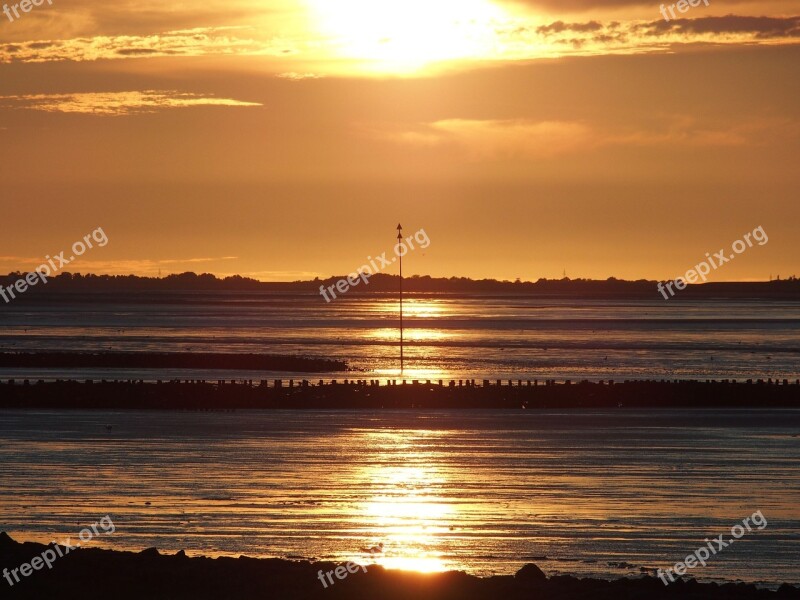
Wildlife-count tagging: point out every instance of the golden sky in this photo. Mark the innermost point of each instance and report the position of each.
(285, 139)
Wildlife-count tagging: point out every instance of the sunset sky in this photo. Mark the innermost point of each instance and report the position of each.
(285, 139)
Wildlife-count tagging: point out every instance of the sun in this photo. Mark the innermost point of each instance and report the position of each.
(405, 37)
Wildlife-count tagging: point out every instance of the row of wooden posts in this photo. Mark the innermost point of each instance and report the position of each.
(291, 383)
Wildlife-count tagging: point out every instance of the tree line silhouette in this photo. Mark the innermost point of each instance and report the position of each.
(384, 283)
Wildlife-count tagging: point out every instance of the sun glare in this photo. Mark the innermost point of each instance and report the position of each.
(413, 307)
(405, 37)
(407, 512)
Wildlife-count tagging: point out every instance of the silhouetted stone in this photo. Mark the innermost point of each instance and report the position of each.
(788, 591)
(101, 574)
(530, 573)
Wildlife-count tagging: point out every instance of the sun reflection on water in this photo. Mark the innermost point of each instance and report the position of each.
(406, 513)
(423, 355)
(409, 335)
(419, 373)
(415, 308)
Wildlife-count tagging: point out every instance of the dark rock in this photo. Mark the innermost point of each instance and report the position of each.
(530, 573)
(788, 591)
(129, 576)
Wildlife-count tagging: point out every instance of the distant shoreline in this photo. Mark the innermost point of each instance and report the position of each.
(76, 287)
(420, 395)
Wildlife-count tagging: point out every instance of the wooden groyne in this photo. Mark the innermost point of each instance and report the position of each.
(396, 394)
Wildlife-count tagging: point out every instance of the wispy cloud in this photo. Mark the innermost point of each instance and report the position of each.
(201, 41)
(526, 139)
(503, 138)
(299, 76)
(586, 5)
(115, 103)
(761, 28)
(518, 37)
(561, 38)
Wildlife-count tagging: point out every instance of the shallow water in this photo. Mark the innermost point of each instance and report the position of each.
(480, 337)
(483, 491)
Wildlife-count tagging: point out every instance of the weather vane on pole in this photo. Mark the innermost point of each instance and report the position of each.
(399, 241)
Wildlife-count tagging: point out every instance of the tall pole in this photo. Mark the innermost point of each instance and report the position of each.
(399, 241)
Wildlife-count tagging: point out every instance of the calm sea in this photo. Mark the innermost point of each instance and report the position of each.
(446, 336)
(604, 493)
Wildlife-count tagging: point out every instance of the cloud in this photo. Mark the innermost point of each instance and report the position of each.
(497, 138)
(577, 5)
(561, 26)
(115, 103)
(292, 76)
(561, 38)
(20, 259)
(760, 27)
(201, 41)
(527, 139)
(593, 5)
(306, 53)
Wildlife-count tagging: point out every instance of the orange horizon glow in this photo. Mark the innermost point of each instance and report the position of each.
(284, 141)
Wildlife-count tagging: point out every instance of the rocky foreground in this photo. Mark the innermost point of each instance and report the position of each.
(148, 575)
